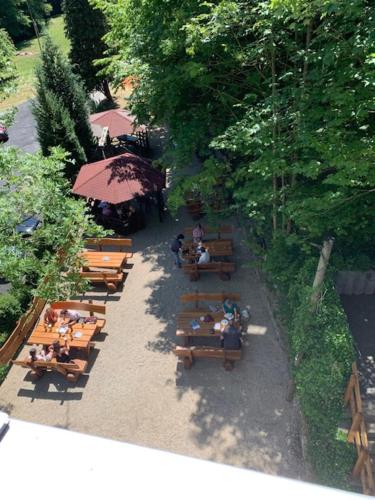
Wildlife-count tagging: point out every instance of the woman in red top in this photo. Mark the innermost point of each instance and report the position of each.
(50, 316)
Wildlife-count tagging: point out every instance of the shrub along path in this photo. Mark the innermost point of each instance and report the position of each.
(136, 391)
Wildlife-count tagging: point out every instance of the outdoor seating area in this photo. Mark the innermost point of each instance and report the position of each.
(215, 317)
(62, 338)
(105, 265)
(63, 333)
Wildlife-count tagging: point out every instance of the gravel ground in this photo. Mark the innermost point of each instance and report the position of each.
(137, 392)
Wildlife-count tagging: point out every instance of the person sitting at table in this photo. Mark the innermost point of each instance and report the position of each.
(69, 317)
(198, 233)
(34, 355)
(231, 337)
(58, 352)
(50, 317)
(204, 256)
(230, 307)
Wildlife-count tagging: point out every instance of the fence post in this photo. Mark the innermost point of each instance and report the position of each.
(356, 424)
(362, 457)
(349, 389)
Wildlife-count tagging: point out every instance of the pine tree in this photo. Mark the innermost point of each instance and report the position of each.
(85, 27)
(56, 76)
(56, 128)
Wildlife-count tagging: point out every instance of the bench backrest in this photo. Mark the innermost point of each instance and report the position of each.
(208, 352)
(211, 230)
(119, 243)
(225, 267)
(79, 306)
(101, 275)
(207, 297)
(56, 365)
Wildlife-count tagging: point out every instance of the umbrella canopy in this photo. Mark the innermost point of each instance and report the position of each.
(118, 179)
(118, 121)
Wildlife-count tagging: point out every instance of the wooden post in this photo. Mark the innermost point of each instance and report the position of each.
(321, 271)
(356, 424)
(362, 457)
(349, 389)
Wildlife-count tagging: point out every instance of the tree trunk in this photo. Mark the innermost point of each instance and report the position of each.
(320, 272)
(274, 136)
(107, 90)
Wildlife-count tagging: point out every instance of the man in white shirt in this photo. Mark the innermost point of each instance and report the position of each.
(69, 317)
(205, 256)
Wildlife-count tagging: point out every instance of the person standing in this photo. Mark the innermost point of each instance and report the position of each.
(176, 248)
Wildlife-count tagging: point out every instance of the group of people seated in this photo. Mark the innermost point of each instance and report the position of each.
(202, 255)
(56, 350)
(123, 218)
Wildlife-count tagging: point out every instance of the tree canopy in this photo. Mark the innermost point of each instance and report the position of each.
(60, 108)
(278, 95)
(85, 26)
(7, 68)
(16, 16)
(47, 259)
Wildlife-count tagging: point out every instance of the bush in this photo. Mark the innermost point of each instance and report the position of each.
(10, 311)
(326, 345)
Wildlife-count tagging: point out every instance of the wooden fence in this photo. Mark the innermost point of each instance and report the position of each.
(23, 329)
(358, 434)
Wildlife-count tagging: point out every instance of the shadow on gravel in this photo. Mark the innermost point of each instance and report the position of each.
(242, 413)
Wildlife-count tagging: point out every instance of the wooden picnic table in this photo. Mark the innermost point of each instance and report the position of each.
(216, 248)
(46, 336)
(206, 329)
(105, 260)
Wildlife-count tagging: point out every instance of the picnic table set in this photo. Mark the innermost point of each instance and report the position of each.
(76, 336)
(212, 320)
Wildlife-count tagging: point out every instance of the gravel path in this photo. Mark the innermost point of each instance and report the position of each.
(136, 391)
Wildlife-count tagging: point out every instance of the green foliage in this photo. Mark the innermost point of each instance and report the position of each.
(61, 100)
(56, 128)
(10, 311)
(326, 346)
(85, 26)
(46, 261)
(4, 369)
(16, 19)
(283, 89)
(7, 68)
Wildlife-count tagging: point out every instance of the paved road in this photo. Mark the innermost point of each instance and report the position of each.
(22, 133)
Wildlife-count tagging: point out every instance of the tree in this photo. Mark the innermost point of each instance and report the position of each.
(85, 26)
(7, 68)
(62, 100)
(47, 259)
(282, 89)
(17, 16)
(56, 128)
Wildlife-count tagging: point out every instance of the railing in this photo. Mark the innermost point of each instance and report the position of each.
(24, 327)
(358, 434)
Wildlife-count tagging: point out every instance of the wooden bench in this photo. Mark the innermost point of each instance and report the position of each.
(71, 371)
(223, 269)
(121, 244)
(84, 306)
(197, 297)
(218, 230)
(189, 354)
(111, 280)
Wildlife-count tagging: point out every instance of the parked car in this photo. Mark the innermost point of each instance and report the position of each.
(3, 134)
(28, 225)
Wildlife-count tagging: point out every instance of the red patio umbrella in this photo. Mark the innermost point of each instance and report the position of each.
(118, 179)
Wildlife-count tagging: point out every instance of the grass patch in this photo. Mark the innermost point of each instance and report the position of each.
(27, 63)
